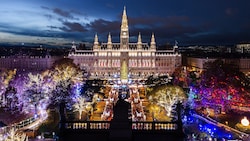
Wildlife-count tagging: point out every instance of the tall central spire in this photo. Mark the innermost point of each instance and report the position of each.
(124, 19)
(124, 35)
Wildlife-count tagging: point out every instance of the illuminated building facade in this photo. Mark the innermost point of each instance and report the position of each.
(243, 48)
(199, 63)
(26, 63)
(136, 60)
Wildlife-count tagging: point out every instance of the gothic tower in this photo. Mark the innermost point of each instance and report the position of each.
(139, 43)
(96, 43)
(109, 44)
(152, 43)
(124, 35)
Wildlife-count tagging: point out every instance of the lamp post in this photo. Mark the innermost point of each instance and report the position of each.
(245, 122)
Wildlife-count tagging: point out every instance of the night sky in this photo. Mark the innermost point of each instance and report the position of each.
(190, 22)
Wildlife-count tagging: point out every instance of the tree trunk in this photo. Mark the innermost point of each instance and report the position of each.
(80, 115)
(62, 111)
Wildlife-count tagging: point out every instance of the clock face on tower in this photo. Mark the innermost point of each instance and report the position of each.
(124, 33)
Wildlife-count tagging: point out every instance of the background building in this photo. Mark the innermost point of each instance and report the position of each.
(28, 63)
(243, 48)
(199, 63)
(141, 59)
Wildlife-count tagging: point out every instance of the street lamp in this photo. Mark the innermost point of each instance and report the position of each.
(245, 121)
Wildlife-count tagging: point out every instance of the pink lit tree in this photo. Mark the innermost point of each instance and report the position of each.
(223, 85)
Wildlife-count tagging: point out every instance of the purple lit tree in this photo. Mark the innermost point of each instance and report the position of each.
(18, 83)
(11, 99)
(36, 96)
(5, 78)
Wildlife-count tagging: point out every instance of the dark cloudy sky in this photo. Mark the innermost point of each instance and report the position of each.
(190, 22)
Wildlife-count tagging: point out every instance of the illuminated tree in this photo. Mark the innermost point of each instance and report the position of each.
(223, 84)
(37, 92)
(167, 97)
(5, 78)
(13, 135)
(180, 76)
(17, 84)
(11, 99)
(82, 105)
(66, 77)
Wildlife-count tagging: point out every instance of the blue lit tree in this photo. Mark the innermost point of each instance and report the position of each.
(66, 77)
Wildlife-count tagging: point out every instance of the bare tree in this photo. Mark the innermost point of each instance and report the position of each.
(167, 97)
(13, 135)
(82, 106)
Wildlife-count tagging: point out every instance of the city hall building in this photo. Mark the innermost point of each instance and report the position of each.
(124, 59)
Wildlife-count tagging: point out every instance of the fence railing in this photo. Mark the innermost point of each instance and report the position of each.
(87, 125)
(142, 125)
(19, 125)
(154, 126)
(216, 123)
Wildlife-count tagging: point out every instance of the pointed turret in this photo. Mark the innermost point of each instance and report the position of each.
(109, 42)
(139, 43)
(152, 43)
(124, 35)
(176, 47)
(96, 43)
(73, 45)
